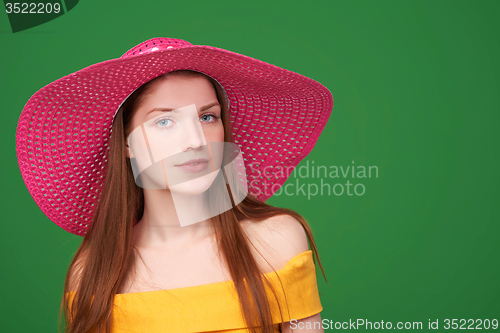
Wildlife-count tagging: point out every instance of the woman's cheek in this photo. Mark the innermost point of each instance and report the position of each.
(215, 134)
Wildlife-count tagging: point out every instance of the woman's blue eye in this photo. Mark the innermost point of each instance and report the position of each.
(163, 122)
(166, 122)
(213, 117)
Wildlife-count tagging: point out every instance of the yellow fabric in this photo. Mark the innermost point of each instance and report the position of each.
(215, 307)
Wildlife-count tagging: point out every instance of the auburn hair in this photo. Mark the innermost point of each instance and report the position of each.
(106, 253)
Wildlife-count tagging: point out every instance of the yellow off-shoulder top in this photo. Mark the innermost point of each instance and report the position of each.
(215, 307)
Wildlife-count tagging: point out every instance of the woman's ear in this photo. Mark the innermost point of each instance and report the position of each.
(129, 152)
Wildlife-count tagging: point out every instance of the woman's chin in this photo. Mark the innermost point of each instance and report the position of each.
(195, 186)
(192, 187)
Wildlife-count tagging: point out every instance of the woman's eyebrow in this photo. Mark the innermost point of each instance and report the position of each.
(203, 108)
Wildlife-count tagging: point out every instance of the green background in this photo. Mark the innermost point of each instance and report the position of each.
(416, 91)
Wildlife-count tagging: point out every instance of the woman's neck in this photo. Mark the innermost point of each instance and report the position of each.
(172, 220)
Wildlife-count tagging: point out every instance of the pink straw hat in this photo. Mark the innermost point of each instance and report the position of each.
(61, 141)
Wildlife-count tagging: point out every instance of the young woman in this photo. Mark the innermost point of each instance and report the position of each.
(172, 243)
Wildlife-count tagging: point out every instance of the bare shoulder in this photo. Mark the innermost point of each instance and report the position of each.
(276, 240)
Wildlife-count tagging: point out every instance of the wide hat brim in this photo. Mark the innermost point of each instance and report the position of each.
(62, 136)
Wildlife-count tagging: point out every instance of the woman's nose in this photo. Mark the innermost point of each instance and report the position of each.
(192, 136)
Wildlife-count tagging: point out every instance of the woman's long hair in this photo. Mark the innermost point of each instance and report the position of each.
(108, 248)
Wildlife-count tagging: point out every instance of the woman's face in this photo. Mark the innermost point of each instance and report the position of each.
(178, 135)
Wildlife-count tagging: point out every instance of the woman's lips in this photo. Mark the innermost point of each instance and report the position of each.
(193, 165)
